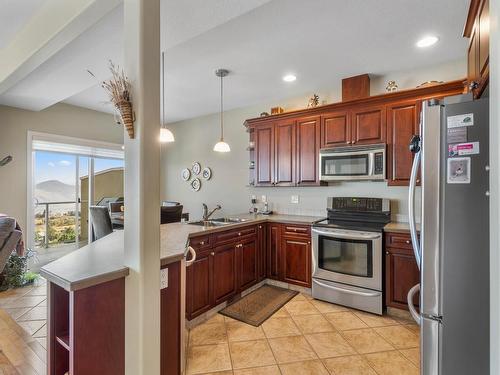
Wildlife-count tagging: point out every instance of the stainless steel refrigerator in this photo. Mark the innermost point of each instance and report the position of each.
(452, 250)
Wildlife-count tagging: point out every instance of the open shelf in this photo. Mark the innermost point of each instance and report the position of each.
(63, 340)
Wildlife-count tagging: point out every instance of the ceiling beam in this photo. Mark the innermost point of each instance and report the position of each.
(56, 24)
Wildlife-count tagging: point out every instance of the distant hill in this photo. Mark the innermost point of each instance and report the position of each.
(55, 191)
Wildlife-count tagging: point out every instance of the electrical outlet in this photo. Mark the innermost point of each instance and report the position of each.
(263, 199)
(164, 278)
(294, 199)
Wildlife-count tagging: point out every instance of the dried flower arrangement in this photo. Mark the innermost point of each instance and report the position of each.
(118, 89)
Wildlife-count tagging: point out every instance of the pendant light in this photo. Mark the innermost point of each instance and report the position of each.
(221, 146)
(166, 136)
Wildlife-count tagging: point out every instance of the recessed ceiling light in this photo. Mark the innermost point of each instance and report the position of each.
(427, 41)
(289, 78)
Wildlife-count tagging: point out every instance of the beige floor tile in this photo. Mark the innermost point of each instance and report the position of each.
(266, 370)
(366, 341)
(301, 308)
(373, 320)
(239, 331)
(38, 291)
(299, 297)
(345, 320)
(329, 344)
(24, 301)
(208, 358)
(42, 341)
(312, 323)
(219, 373)
(391, 363)
(351, 365)
(280, 327)
(304, 368)
(217, 318)
(413, 355)
(246, 354)
(414, 328)
(206, 334)
(16, 313)
(326, 307)
(42, 304)
(42, 332)
(31, 326)
(281, 313)
(291, 349)
(228, 319)
(36, 313)
(399, 336)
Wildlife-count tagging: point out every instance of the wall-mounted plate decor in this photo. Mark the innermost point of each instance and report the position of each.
(207, 173)
(196, 168)
(196, 184)
(186, 174)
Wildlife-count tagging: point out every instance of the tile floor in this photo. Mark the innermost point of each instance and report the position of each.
(306, 337)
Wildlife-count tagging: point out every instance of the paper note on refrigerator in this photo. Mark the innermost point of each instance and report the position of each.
(460, 120)
(459, 170)
(460, 149)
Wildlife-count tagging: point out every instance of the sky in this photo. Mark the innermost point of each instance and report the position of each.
(61, 167)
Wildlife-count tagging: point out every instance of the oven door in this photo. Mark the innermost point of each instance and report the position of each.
(348, 257)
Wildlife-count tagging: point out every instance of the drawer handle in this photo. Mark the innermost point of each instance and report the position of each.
(408, 242)
(239, 233)
(239, 245)
(212, 253)
(202, 242)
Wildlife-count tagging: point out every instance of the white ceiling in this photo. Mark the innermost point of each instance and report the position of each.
(14, 15)
(321, 41)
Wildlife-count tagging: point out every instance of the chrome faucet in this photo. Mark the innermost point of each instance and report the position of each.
(206, 214)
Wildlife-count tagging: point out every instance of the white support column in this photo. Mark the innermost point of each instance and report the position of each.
(142, 189)
(494, 186)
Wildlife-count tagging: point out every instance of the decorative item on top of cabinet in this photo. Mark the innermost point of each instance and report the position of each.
(277, 110)
(313, 101)
(391, 86)
(477, 29)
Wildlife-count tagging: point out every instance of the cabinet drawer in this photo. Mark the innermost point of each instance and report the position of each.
(200, 242)
(399, 240)
(296, 230)
(234, 235)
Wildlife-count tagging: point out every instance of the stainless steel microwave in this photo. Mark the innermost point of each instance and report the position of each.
(352, 163)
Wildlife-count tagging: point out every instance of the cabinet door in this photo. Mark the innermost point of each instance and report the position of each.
(247, 263)
(285, 153)
(308, 142)
(223, 273)
(296, 254)
(484, 39)
(473, 58)
(262, 250)
(273, 248)
(368, 125)
(198, 286)
(402, 123)
(335, 129)
(401, 275)
(264, 154)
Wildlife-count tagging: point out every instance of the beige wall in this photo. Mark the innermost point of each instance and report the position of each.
(194, 140)
(60, 119)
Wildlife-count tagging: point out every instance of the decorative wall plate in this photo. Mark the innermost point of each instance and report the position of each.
(196, 184)
(196, 168)
(206, 173)
(186, 174)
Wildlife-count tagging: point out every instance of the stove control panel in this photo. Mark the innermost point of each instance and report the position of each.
(358, 204)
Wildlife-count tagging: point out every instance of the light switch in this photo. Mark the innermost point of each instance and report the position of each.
(263, 199)
(164, 278)
(294, 199)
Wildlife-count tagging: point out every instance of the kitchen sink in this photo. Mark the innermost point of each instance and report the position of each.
(218, 222)
(229, 220)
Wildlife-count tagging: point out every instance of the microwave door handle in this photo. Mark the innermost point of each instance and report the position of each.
(371, 164)
(411, 209)
(347, 236)
(348, 291)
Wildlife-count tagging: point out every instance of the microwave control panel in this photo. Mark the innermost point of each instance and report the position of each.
(379, 163)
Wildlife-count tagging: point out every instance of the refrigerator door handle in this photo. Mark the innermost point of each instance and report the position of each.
(411, 208)
(413, 311)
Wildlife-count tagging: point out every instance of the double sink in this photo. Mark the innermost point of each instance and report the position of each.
(218, 222)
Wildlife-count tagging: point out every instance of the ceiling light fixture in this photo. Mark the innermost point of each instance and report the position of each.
(166, 136)
(427, 41)
(289, 78)
(221, 146)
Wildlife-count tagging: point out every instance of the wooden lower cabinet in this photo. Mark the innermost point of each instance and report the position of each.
(262, 250)
(401, 270)
(223, 273)
(296, 254)
(199, 285)
(273, 251)
(247, 261)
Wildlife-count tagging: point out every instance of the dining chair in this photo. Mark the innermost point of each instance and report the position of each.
(101, 221)
(171, 214)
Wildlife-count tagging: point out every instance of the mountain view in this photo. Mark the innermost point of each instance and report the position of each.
(54, 191)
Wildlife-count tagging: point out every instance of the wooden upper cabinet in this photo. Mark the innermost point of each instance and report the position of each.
(264, 155)
(285, 153)
(402, 124)
(368, 125)
(308, 143)
(477, 29)
(335, 129)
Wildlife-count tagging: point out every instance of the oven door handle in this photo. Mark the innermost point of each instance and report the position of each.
(354, 292)
(348, 236)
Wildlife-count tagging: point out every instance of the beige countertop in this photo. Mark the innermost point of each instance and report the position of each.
(102, 260)
(397, 227)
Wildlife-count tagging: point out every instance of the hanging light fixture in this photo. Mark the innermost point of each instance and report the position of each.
(166, 135)
(221, 146)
